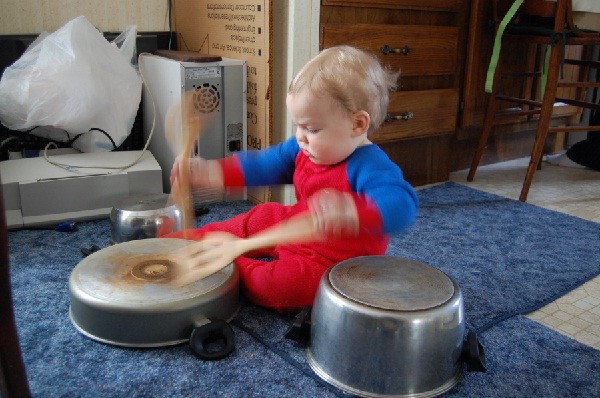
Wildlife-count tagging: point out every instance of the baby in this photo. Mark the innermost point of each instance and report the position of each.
(356, 195)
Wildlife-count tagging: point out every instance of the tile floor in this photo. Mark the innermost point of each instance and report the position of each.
(565, 189)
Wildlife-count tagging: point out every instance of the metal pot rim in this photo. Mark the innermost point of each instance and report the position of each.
(314, 365)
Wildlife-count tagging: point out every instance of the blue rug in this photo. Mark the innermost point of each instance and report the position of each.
(508, 258)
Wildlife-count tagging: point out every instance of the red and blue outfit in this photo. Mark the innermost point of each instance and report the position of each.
(385, 202)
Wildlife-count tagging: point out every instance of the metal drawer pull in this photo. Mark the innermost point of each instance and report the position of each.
(387, 50)
(403, 116)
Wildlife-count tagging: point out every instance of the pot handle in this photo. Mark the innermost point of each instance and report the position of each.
(300, 329)
(473, 354)
(215, 332)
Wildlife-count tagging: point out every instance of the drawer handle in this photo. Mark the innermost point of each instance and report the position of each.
(387, 50)
(403, 116)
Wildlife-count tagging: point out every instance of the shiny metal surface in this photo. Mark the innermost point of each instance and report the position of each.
(122, 295)
(383, 343)
(409, 287)
(143, 217)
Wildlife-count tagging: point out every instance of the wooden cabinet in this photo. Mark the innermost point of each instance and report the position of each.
(415, 50)
(421, 113)
(422, 39)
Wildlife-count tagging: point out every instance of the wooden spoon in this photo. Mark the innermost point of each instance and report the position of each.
(199, 260)
(191, 129)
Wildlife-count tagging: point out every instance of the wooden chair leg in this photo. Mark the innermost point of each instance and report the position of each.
(544, 120)
(485, 134)
(488, 121)
(534, 161)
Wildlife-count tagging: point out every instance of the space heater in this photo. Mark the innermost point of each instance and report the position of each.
(218, 92)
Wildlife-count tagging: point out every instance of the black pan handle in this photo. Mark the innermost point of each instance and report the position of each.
(300, 329)
(87, 251)
(473, 354)
(215, 334)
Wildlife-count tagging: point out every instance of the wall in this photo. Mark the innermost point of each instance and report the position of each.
(35, 16)
(295, 42)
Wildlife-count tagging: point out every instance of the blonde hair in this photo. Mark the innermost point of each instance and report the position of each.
(352, 77)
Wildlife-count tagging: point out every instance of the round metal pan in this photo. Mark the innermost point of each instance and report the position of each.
(123, 295)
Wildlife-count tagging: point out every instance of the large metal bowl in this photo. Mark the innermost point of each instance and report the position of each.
(384, 326)
(143, 217)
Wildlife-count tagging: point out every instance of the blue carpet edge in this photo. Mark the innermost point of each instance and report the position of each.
(536, 306)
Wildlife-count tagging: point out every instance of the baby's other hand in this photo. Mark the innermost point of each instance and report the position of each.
(200, 172)
(175, 170)
(334, 213)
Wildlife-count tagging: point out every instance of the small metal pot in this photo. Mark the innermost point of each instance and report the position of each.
(384, 326)
(143, 217)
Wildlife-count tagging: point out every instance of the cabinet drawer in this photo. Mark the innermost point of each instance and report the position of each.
(433, 5)
(429, 50)
(426, 113)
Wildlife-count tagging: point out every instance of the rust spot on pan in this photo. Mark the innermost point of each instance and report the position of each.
(139, 269)
(152, 270)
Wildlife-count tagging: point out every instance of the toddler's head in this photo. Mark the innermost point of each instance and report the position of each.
(353, 78)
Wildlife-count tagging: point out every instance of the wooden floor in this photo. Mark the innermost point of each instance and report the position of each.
(574, 191)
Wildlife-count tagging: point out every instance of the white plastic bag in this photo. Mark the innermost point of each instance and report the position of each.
(75, 80)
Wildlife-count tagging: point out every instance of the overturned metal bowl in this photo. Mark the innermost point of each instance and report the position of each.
(143, 217)
(384, 326)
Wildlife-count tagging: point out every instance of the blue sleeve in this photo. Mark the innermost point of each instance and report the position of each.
(270, 166)
(371, 173)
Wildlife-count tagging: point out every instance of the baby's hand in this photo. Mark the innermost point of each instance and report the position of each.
(203, 173)
(175, 170)
(334, 213)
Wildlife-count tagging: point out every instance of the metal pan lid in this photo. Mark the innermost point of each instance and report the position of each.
(391, 283)
(137, 274)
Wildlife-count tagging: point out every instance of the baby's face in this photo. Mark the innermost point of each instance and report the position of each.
(326, 133)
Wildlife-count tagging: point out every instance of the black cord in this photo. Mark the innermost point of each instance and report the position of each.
(33, 128)
(90, 130)
(70, 140)
(170, 7)
(286, 357)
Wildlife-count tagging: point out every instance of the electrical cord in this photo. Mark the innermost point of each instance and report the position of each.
(16, 137)
(71, 141)
(7, 140)
(36, 127)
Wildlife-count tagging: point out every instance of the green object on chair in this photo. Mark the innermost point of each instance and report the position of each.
(489, 82)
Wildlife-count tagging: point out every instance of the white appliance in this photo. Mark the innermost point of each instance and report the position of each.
(37, 193)
(219, 91)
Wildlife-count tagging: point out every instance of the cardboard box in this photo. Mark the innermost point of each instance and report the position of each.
(242, 30)
(38, 193)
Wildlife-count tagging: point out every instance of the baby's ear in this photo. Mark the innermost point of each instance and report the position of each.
(362, 120)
